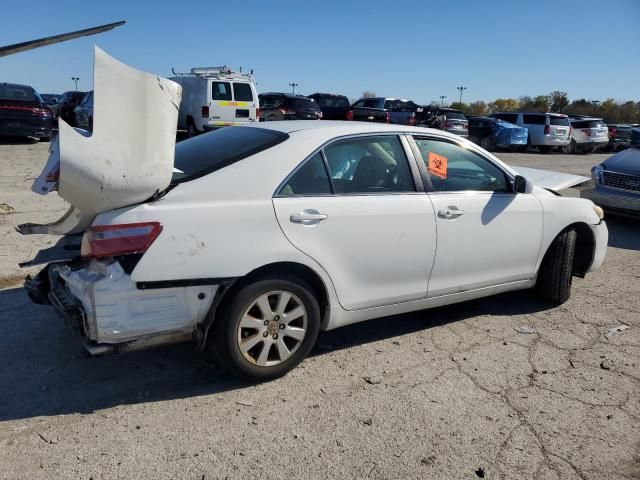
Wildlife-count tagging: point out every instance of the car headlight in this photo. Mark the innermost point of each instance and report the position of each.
(598, 211)
(596, 174)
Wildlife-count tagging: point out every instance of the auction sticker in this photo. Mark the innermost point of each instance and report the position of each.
(437, 165)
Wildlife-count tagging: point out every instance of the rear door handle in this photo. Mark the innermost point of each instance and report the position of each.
(450, 212)
(308, 217)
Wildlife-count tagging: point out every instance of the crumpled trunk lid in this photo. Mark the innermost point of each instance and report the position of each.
(128, 157)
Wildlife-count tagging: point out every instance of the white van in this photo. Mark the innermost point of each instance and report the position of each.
(214, 97)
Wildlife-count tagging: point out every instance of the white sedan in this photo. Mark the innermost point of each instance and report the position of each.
(251, 240)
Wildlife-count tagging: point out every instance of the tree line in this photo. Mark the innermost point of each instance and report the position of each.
(609, 110)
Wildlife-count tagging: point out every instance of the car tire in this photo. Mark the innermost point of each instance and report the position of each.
(192, 131)
(569, 148)
(242, 321)
(556, 271)
(486, 143)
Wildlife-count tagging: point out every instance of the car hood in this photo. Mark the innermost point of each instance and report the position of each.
(626, 161)
(127, 158)
(549, 179)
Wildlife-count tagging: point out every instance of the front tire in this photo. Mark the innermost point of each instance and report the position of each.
(555, 274)
(267, 329)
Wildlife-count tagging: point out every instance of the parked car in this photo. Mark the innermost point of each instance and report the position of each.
(546, 130)
(65, 104)
(83, 113)
(384, 110)
(619, 136)
(334, 107)
(251, 240)
(617, 183)
(447, 119)
(288, 106)
(23, 113)
(587, 135)
(214, 97)
(49, 98)
(492, 133)
(635, 136)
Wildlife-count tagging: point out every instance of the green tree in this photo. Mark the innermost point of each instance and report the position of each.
(503, 105)
(463, 107)
(478, 108)
(559, 101)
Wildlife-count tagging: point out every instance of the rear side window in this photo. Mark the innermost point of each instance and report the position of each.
(270, 101)
(242, 92)
(507, 117)
(213, 151)
(534, 119)
(564, 121)
(221, 90)
(373, 164)
(336, 101)
(455, 115)
(310, 179)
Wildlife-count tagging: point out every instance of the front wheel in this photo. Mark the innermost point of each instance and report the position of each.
(555, 274)
(268, 328)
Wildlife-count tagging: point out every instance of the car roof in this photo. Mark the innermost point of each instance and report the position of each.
(581, 118)
(17, 85)
(341, 127)
(290, 95)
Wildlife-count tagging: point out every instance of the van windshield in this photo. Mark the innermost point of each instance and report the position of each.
(204, 154)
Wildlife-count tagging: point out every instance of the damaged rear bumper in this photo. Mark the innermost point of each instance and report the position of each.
(101, 301)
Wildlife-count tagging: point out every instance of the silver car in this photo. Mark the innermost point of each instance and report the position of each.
(617, 183)
(546, 130)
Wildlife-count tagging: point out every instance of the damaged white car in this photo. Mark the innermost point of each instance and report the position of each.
(249, 241)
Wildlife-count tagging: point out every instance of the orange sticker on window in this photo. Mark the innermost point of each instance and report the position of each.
(437, 165)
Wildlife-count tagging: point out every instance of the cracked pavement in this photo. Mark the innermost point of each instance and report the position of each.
(463, 394)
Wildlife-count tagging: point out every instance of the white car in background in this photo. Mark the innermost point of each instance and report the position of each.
(587, 135)
(252, 240)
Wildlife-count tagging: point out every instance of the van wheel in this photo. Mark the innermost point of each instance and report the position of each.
(192, 131)
(555, 274)
(267, 329)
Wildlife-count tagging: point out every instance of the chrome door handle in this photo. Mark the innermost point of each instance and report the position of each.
(307, 217)
(450, 212)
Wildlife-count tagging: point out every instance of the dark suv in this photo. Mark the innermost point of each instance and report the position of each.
(23, 113)
(65, 104)
(83, 113)
(287, 106)
(334, 107)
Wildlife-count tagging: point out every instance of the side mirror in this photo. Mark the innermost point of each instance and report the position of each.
(519, 184)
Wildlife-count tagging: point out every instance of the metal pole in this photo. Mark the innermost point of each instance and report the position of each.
(442, 97)
(293, 87)
(75, 80)
(461, 89)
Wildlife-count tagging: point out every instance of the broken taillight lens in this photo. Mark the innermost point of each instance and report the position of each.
(113, 240)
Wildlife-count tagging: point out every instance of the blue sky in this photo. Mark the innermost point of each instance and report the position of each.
(412, 49)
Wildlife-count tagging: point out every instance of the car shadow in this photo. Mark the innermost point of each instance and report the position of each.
(46, 372)
(624, 232)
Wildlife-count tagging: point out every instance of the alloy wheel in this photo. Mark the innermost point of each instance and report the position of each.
(272, 328)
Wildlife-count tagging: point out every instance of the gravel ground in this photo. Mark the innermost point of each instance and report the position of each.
(462, 394)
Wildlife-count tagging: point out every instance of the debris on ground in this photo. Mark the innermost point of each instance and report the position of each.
(373, 380)
(368, 421)
(6, 209)
(606, 364)
(615, 330)
(244, 403)
(525, 329)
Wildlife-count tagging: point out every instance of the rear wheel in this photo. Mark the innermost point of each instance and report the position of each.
(267, 329)
(569, 148)
(555, 274)
(192, 131)
(486, 143)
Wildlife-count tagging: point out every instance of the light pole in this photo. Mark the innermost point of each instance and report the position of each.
(595, 104)
(75, 80)
(293, 87)
(442, 97)
(461, 89)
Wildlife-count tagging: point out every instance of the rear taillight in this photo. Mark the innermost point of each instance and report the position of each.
(387, 118)
(586, 131)
(54, 174)
(411, 120)
(113, 240)
(257, 113)
(612, 132)
(547, 129)
(205, 111)
(350, 115)
(448, 124)
(465, 126)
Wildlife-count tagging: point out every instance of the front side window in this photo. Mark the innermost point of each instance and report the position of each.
(221, 90)
(310, 179)
(242, 92)
(373, 164)
(453, 168)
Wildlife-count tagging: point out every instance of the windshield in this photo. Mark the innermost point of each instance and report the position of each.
(564, 121)
(213, 151)
(19, 92)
